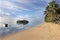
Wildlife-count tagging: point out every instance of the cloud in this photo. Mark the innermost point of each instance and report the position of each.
(33, 20)
(22, 1)
(58, 1)
(2, 13)
(46, 0)
(11, 5)
(23, 4)
(20, 6)
(35, 4)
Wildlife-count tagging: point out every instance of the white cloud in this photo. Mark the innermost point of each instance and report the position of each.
(46, 0)
(0, 2)
(12, 20)
(23, 16)
(23, 1)
(32, 19)
(4, 13)
(9, 5)
(12, 6)
(0, 10)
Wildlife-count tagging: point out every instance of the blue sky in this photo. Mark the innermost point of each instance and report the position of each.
(22, 7)
(32, 10)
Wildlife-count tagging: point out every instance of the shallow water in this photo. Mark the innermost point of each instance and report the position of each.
(13, 29)
(10, 30)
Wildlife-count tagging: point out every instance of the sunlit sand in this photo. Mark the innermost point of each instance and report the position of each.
(46, 31)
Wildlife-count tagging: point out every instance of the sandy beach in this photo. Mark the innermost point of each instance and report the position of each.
(46, 31)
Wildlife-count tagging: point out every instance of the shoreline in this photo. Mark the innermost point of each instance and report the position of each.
(46, 31)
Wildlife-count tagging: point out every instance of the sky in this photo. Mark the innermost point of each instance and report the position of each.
(22, 7)
(13, 10)
(31, 10)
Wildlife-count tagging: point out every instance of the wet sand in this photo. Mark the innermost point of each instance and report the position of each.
(46, 31)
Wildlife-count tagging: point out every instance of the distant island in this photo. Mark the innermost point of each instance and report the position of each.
(52, 12)
(22, 22)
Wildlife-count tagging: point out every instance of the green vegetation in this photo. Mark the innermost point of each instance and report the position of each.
(52, 12)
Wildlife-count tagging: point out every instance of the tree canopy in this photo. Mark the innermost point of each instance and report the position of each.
(52, 12)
